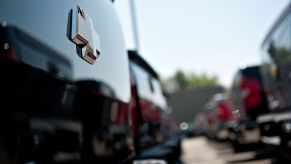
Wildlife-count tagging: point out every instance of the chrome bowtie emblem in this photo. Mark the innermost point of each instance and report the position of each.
(81, 31)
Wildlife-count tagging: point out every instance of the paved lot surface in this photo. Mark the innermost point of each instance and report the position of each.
(200, 150)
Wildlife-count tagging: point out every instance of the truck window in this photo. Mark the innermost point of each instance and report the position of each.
(279, 47)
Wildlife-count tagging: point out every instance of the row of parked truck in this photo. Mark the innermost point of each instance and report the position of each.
(257, 107)
(72, 93)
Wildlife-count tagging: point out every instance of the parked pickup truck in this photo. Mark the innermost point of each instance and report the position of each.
(275, 126)
(218, 116)
(247, 100)
(65, 83)
(154, 129)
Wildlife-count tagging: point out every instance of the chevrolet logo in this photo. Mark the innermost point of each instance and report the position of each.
(81, 31)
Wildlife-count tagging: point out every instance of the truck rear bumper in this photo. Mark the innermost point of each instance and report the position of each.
(275, 128)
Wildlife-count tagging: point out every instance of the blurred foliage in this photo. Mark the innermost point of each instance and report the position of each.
(181, 80)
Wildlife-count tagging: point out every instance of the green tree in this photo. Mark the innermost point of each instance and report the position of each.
(181, 80)
(201, 80)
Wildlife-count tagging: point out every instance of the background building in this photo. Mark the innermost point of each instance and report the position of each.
(187, 103)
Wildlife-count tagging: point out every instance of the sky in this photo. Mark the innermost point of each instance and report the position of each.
(216, 37)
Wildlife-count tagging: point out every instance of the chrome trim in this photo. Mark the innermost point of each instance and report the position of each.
(276, 140)
(150, 161)
(274, 117)
(265, 118)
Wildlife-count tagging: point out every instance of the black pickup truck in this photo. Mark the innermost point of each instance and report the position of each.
(247, 102)
(65, 84)
(275, 126)
(155, 136)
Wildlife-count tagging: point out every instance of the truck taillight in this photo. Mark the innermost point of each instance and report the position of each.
(224, 113)
(134, 110)
(250, 93)
(211, 118)
(8, 52)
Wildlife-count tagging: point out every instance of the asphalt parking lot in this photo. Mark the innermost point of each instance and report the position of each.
(200, 150)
